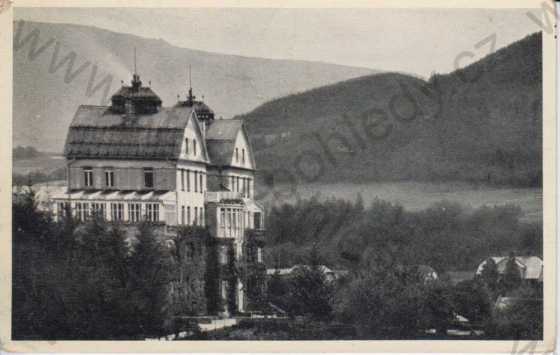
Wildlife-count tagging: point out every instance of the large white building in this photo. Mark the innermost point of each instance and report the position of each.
(172, 166)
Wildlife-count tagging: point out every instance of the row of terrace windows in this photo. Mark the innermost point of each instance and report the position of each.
(109, 177)
(192, 179)
(194, 216)
(232, 222)
(113, 211)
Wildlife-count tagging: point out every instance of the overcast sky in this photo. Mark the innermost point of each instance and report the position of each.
(415, 41)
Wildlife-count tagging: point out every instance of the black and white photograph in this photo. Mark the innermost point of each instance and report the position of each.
(194, 174)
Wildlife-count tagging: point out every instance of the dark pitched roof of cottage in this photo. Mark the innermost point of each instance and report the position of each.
(98, 132)
(220, 140)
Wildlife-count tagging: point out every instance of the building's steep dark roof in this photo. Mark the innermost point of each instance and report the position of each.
(224, 129)
(103, 117)
(220, 140)
(220, 152)
(98, 132)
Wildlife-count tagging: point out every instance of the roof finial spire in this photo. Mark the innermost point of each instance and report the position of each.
(191, 97)
(136, 83)
(134, 60)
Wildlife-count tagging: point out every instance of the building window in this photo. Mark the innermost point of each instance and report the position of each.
(152, 212)
(242, 156)
(222, 218)
(186, 146)
(82, 211)
(109, 178)
(117, 211)
(182, 214)
(149, 178)
(229, 222)
(88, 177)
(249, 188)
(129, 107)
(194, 147)
(201, 216)
(237, 155)
(223, 255)
(79, 211)
(188, 215)
(134, 212)
(188, 180)
(195, 215)
(238, 184)
(182, 180)
(200, 181)
(98, 209)
(257, 220)
(195, 181)
(62, 208)
(241, 224)
(234, 221)
(224, 289)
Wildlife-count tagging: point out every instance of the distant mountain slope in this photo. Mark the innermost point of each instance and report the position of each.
(480, 123)
(46, 94)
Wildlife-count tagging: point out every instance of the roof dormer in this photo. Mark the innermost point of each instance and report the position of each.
(203, 112)
(135, 99)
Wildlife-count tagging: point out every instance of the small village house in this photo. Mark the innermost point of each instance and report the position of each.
(530, 267)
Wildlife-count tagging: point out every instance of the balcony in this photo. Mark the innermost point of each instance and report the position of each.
(223, 196)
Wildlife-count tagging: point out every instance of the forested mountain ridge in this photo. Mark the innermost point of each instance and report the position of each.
(481, 123)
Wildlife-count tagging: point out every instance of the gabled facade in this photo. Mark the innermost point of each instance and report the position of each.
(173, 166)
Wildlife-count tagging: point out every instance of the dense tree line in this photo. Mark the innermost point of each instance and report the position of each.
(95, 281)
(445, 236)
(382, 299)
(88, 281)
(21, 152)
